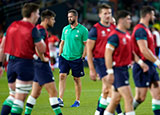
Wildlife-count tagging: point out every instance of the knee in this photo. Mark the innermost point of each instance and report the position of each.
(77, 80)
(140, 99)
(106, 90)
(62, 76)
(117, 100)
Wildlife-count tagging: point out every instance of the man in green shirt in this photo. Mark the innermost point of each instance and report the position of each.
(72, 52)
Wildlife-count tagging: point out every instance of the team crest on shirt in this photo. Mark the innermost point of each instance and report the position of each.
(128, 36)
(108, 30)
(66, 31)
(103, 33)
(124, 41)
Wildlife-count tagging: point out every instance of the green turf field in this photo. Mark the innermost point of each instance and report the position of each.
(90, 93)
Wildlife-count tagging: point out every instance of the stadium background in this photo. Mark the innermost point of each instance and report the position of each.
(10, 10)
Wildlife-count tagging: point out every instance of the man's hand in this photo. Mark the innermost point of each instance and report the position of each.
(144, 67)
(93, 75)
(1, 72)
(45, 59)
(110, 78)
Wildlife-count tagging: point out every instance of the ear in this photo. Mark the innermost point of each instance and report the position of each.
(46, 20)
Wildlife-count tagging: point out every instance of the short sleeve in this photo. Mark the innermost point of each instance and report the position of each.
(113, 40)
(36, 35)
(62, 37)
(43, 33)
(141, 34)
(85, 35)
(93, 33)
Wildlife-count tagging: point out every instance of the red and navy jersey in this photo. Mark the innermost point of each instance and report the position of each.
(122, 55)
(100, 33)
(53, 39)
(141, 32)
(20, 39)
(44, 36)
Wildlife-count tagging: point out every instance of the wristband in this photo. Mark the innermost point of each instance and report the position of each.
(157, 62)
(140, 62)
(110, 71)
(0, 64)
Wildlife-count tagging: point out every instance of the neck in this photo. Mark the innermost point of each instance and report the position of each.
(28, 20)
(105, 23)
(74, 25)
(122, 28)
(44, 25)
(144, 21)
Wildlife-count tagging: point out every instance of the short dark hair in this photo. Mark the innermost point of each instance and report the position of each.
(122, 14)
(103, 6)
(47, 14)
(145, 10)
(28, 8)
(73, 11)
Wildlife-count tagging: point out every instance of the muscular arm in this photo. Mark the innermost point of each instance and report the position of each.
(142, 44)
(90, 45)
(108, 61)
(2, 55)
(61, 47)
(108, 56)
(85, 50)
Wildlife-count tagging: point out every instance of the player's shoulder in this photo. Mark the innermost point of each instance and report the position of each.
(82, 27)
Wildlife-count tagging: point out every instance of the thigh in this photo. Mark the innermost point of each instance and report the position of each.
(121, 77)
(100, 67)
(24, 69)
(63, 65)
(77, 67)
(43, 73)
(36, 89)
(11, 73)
(141, 79)
(125, 92)
(155, 90)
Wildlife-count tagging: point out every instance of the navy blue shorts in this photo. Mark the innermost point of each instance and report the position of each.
(142, 79)
(22, 69)
(121, 77)
(43, 73)
(75, 65)
(100, 67)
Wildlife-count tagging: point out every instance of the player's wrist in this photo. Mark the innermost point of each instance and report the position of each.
(157, 62)
(140, 62)
(110, 71)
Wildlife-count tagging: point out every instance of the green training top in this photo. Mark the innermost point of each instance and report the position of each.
(73, 41)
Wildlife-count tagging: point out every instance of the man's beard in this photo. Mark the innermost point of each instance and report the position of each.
(72, 22)
(49, 26)
(151, 22)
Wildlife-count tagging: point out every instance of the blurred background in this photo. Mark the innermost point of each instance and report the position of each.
(10, 10)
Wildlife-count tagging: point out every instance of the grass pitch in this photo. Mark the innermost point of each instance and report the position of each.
(90, 92)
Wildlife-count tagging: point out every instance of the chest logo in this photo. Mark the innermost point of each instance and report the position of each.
(66, 31)
(108, 30)
(103, 33)
(124, 41)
